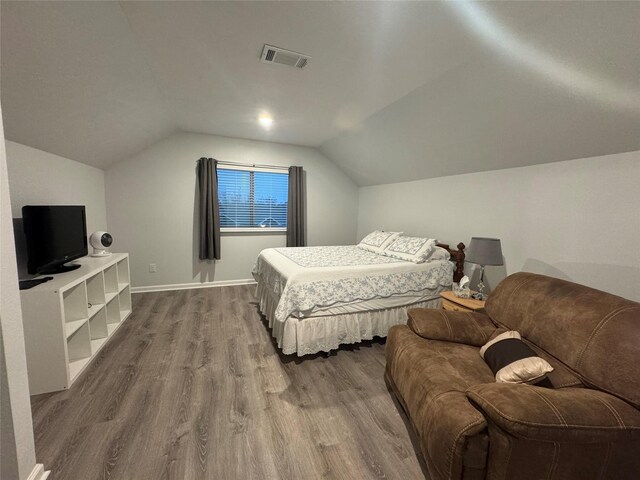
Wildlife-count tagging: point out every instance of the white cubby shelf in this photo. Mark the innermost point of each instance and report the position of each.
(68, 320)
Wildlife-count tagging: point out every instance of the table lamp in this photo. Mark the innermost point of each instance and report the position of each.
(484, 251)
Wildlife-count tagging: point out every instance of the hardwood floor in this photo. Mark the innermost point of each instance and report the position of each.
(192, 387)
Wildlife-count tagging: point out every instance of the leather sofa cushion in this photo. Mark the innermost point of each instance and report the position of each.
(431, 378)
(470, 328)
(561, 377)
(594, 333)
(574, 415)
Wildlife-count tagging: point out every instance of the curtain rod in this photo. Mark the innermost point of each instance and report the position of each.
(238, 164)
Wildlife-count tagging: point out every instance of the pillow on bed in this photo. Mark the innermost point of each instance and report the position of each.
(411, 249)
(439, 253)
(378, 240)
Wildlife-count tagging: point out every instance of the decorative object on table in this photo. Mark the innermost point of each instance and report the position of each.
(461, 289)
(101, 241)
(484, 251)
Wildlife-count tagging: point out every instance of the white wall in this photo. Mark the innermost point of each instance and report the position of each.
(576, 220)
(41, 178)
(152, 206)
(16, 428)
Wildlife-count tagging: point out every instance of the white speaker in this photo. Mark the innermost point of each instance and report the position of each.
(100, 241)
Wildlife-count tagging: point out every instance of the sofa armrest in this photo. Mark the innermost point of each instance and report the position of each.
(470, 328)
(574, 415)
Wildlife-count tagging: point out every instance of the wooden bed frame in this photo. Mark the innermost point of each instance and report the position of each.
(457, 256)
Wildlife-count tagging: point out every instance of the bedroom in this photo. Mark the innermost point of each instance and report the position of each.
(512, 120)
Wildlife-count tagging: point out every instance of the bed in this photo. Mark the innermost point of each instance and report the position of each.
(315, 299)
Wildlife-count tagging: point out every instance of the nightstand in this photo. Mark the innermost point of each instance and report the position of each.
(457, 304)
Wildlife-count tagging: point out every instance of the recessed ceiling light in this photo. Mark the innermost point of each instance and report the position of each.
(265, 120)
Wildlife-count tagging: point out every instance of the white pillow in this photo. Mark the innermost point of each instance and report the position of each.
(439, 253)
(378, 240)
(411, 249)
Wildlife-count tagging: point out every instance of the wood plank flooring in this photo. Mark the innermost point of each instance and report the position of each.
(193, 387)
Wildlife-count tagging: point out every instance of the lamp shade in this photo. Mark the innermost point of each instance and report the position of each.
(484, 251)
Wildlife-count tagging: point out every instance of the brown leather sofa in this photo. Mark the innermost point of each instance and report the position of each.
(470, 427)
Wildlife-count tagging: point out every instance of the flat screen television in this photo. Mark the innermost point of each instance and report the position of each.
(55, 235)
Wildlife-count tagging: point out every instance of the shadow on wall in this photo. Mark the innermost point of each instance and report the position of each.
(536, 266)
(622, 280)
(202, 270)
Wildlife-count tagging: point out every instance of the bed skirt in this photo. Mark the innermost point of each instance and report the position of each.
(325, 333)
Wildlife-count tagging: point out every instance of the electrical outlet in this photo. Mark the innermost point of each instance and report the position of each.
(153, 268)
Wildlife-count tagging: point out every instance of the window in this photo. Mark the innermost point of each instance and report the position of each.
(252, 199)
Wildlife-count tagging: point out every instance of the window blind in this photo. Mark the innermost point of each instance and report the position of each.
(252, 199)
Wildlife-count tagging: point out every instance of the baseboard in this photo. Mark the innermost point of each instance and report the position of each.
(188, 286)
(39, 473)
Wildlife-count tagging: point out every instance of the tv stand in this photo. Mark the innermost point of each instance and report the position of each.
(67, 267)
(70, 318)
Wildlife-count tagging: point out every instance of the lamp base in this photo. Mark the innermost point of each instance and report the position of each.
(481, 295)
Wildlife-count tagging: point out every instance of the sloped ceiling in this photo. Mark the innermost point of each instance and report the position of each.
(394, 91)
(74, 82)
(576, 94)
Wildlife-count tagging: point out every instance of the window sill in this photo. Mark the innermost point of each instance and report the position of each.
(272, 231)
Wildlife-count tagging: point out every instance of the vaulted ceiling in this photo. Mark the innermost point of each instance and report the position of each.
(394, 91)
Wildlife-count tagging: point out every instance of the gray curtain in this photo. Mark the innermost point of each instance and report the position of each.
(209, 209)
(295, 209)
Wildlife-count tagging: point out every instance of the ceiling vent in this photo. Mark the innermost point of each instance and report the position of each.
(272, 54)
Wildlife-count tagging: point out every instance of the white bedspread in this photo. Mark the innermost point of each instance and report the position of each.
(308, 280)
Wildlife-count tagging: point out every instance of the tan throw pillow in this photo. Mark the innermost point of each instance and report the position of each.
(513, 361)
